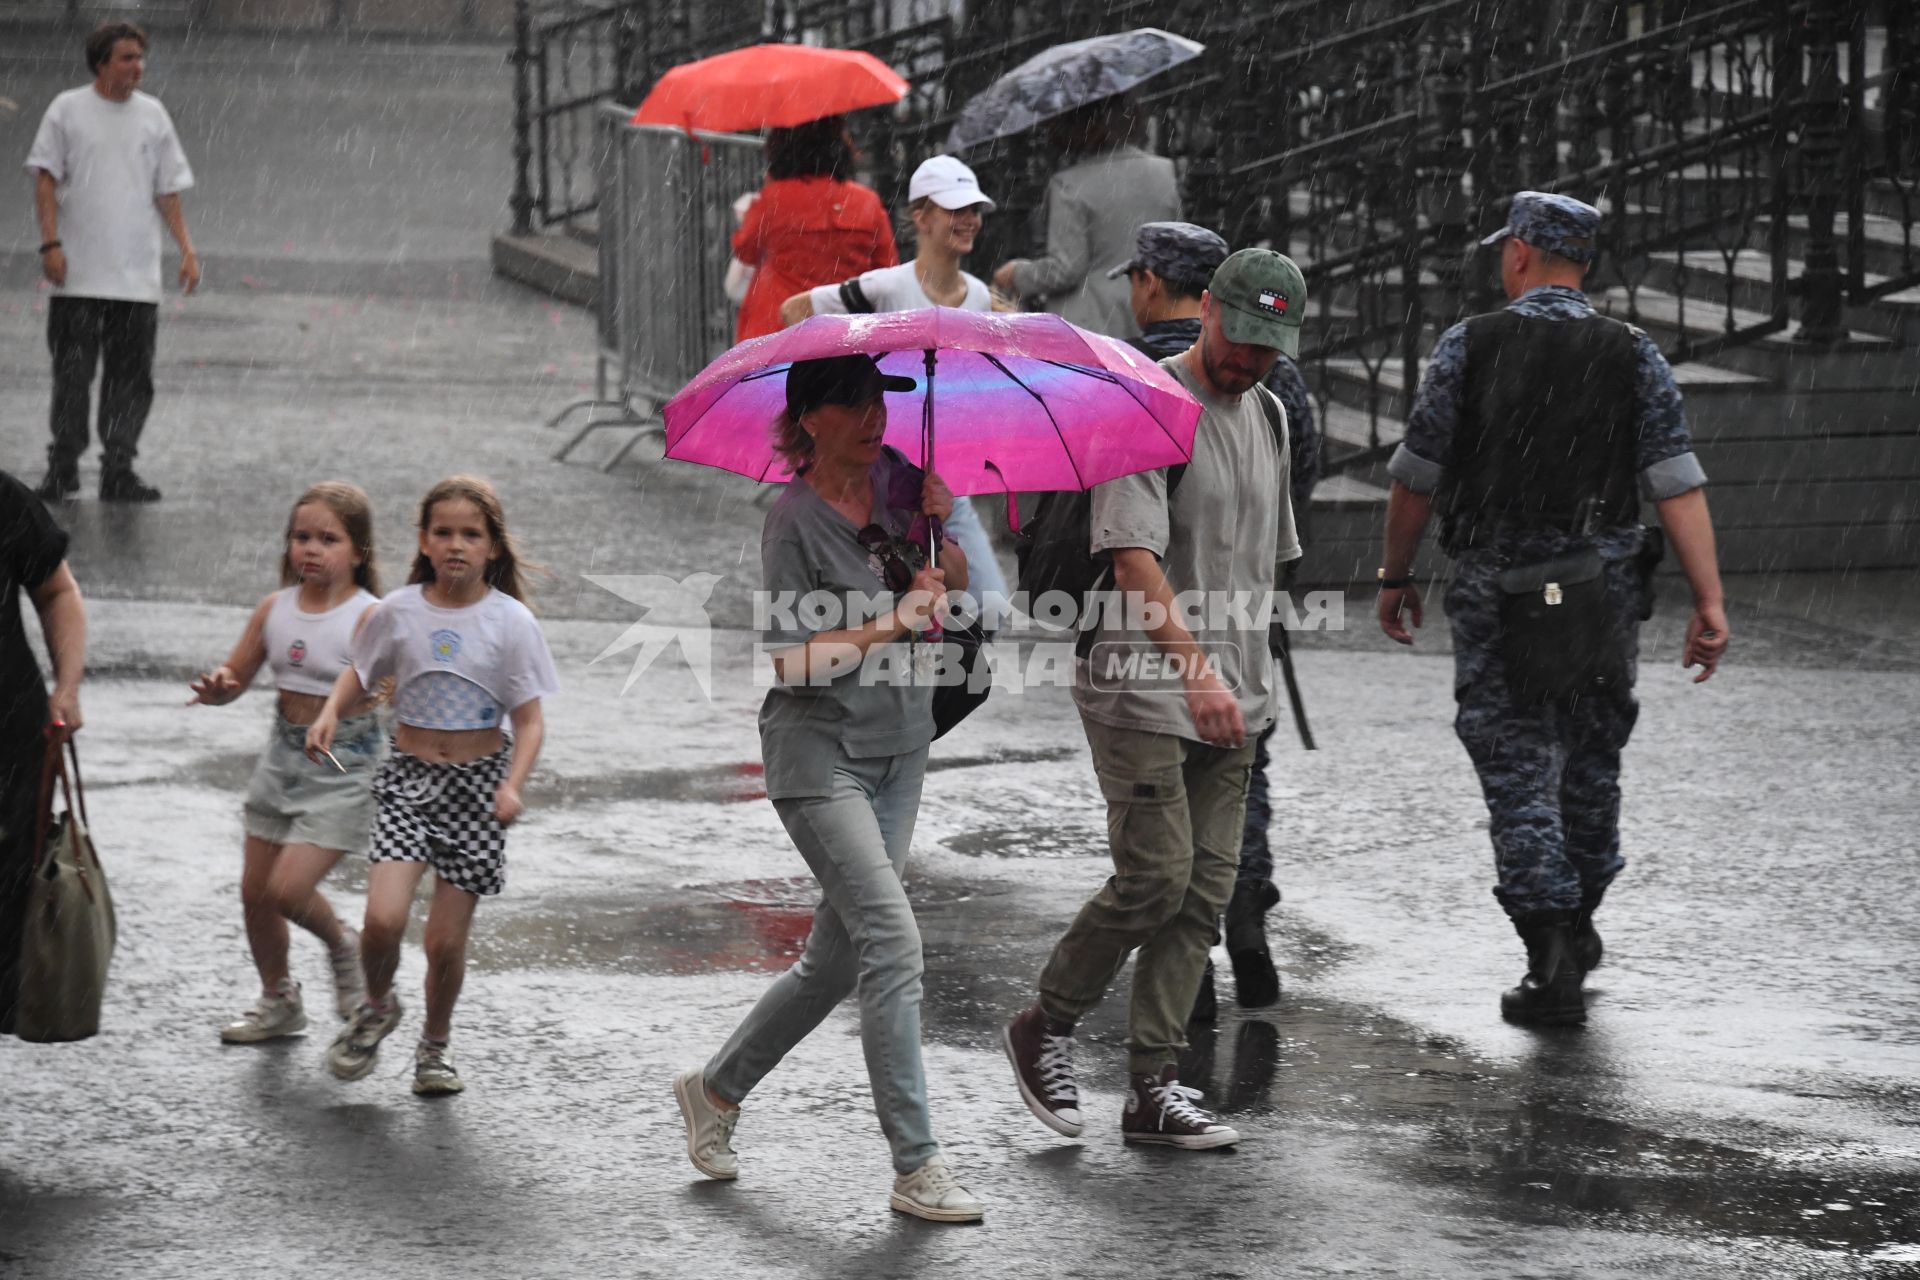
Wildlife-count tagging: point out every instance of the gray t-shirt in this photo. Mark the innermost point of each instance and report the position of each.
(883, 708)
(1222, 538)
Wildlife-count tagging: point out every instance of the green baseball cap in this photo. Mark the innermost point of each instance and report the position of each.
(1262, 299)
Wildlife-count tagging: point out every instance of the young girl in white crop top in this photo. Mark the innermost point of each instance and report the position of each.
(468, 663)
(302, 815)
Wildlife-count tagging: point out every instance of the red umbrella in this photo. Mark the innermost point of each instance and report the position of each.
(769, 86)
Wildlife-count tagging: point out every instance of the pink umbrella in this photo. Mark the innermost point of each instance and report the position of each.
(1023, 402)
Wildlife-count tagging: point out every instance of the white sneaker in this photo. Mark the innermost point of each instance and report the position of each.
(433, 1073)
(349, 982)
(273, 1015)
(355, 1050)
(709, 1128)
(933, 1193)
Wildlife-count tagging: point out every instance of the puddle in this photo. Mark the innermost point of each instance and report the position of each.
(1034, 840)
(748, 925)
(707, 784)
(1035, 755)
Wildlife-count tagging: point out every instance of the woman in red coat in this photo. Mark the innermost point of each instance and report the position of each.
(810, 225)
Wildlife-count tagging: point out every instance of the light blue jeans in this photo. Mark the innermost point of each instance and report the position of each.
(864, 936)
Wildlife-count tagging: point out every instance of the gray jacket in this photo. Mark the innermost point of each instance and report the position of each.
(1093, 210)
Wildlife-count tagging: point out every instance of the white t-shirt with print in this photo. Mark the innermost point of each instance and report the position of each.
(494, 643)
(897, 289)
(110, 161)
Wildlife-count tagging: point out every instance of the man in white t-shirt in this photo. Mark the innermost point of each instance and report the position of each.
(108, 172)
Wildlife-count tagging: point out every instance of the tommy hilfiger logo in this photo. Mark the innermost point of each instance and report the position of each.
(1271, 300)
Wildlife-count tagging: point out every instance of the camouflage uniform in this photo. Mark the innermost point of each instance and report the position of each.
(1551, 773)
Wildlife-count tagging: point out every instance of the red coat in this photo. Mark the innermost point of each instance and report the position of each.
(803, 232)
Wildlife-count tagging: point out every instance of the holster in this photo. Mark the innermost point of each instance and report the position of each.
(1653, 549)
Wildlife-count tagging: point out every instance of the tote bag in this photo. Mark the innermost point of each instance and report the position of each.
(68, 940)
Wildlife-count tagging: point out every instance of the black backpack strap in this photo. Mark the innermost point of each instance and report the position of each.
(855, 299)
(1276, 415)
(1276, 420)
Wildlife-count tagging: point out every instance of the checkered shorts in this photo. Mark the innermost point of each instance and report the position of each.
(442, 815)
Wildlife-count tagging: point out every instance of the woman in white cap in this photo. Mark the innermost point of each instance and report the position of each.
(947, 205)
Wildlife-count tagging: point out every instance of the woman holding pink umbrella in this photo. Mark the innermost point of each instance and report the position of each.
(844, 733)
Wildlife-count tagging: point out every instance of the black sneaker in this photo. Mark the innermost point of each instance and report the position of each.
(125, 486)
(61, 483)
(1160, 1110)
(1041, 1051)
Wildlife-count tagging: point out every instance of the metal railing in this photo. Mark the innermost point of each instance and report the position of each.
(666, 232)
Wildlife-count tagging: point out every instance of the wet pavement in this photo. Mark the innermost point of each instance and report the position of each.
(1745, 1101)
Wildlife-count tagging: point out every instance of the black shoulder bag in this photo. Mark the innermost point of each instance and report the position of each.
(1557, 635)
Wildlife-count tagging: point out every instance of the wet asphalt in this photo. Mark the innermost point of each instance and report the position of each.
(1743, 1102)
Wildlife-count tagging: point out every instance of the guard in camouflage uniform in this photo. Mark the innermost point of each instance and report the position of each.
(1530, 435)
(1169, 270)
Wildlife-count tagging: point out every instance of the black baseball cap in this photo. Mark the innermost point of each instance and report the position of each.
(838, 380)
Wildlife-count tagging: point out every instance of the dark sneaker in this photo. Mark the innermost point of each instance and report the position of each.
(125, 486)
(1160, 1110)
(1041, 1051)
(61, 483)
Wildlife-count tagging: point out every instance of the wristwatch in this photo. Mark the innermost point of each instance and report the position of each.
(1392, 584)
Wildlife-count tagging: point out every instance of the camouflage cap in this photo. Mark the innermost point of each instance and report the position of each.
(1559, 224)
(1178, 252)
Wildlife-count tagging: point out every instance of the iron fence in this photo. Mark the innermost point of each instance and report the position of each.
(666, 230)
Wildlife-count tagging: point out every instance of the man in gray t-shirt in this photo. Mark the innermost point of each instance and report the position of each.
(1173, 691)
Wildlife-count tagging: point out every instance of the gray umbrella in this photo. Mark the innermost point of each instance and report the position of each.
(1067, 76)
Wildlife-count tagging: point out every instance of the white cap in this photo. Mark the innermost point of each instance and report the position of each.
(948, 183)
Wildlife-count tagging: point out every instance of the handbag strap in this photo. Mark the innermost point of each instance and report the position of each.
(54, 765)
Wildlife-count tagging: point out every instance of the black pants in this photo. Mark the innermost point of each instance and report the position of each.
(19, 809)
(83, 332)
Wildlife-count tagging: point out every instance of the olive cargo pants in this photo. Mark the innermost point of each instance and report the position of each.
(1175, 812)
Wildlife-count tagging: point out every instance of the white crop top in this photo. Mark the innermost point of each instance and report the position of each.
(308, 651)
(493, 645)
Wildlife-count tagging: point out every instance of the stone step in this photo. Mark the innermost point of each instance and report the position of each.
(1896, 317)
(1777, 357)
(1892, 247)
(555, 263)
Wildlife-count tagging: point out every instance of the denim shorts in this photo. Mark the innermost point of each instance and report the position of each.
(292, 800)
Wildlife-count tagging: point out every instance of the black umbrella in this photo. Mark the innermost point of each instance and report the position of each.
(1066, 77)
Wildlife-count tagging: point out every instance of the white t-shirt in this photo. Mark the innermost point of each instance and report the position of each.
(896, 289)
(110, 161)
(308, 651)
(493, 643)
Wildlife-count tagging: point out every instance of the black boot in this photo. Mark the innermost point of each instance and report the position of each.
(1549, 995)
(1206, 1004)
(1587, 949)
(1255, 982)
